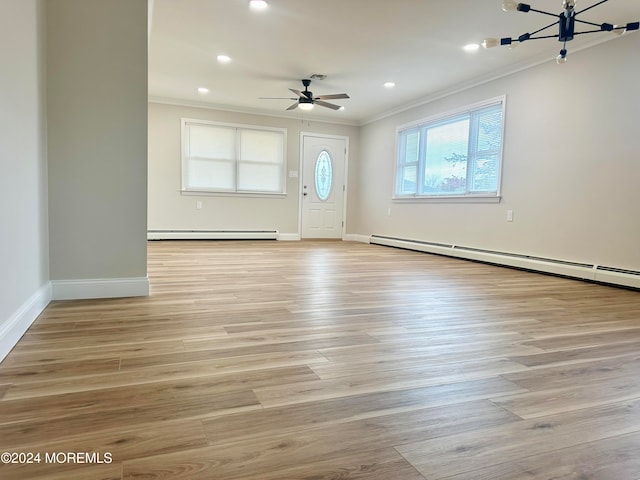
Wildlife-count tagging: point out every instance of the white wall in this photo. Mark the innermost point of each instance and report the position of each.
(24, 260)
(571, 165)
(97, 134)
(170, 210)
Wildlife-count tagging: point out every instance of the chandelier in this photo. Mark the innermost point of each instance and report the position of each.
(565, 22)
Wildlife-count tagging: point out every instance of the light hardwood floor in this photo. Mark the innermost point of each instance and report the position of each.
(321, 360)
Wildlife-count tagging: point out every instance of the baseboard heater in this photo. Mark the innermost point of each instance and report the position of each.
(212, 235)
(584, 271)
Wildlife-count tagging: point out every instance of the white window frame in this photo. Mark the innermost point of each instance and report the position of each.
(186, 190)
(469, 197)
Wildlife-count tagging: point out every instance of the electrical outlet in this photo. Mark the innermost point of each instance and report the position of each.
(198, 204)
(509, 215)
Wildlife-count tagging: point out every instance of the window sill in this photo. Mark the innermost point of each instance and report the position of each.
(448, 199)
(207, 193)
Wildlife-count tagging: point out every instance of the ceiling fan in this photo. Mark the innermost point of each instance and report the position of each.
(306, 100)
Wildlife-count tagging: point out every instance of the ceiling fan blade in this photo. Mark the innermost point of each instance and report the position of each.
(332, 97)
(293, 107)
(327, 104)
(276, 98)
(298, 92)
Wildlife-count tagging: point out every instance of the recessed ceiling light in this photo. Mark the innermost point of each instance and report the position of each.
(341, 108)
(203, 90)
(258, 4)
(223, 58)
(389, 85)
(472, 47)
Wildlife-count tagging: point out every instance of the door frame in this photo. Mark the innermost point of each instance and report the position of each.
(345, 177)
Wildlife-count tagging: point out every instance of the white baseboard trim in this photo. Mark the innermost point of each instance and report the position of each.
(99, 288)
(352, 237)
(12, 330)
(289, 237)
(212, 235)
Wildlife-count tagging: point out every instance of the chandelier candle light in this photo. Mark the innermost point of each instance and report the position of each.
(565, 21)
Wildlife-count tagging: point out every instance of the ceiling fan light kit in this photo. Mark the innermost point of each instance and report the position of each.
(304, 104)
(566, 23)
(258, 4)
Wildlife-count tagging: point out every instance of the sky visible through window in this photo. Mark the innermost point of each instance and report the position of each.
(444, 143)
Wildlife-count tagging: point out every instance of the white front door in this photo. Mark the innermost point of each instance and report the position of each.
(323, 186)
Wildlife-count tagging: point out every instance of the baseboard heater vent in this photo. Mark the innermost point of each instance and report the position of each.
(530, 257)
(618, 270)
(619, 276)
(212, 234)
(585, 271)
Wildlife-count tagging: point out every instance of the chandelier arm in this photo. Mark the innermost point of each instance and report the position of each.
(544, 36)
(588, 31)
(589, 23)
(594, 5)
(545, 13)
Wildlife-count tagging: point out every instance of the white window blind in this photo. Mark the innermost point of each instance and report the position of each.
(229, 158)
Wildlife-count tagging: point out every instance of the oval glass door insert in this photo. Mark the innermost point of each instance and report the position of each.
(324, 175)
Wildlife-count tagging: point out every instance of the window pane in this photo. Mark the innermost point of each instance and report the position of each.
(261, 165)
(490, 129)
(260, 146)
(261, 162)
(259, 177)
(211, 142)
(408, 158)
(323, 175)
(485, 175)
(409, 179)
(446, 158)
(412, 147)
(210, 174)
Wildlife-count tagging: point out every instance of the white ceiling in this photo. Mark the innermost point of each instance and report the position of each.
(358, 44)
